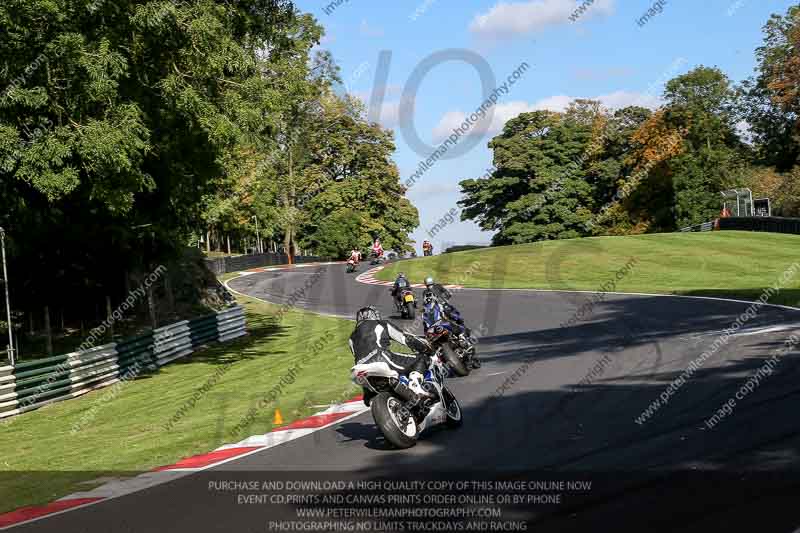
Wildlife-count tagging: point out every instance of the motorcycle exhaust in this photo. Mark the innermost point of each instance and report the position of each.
(406, 393)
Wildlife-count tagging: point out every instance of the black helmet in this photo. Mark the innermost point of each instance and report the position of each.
(367, 313)
(401, 275)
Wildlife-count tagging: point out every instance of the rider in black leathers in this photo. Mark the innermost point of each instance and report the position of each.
(370, 343)
(399, 284)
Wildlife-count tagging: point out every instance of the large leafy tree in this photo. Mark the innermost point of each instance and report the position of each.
(538, 190)
(116, 119)
(702, 103)
(351, 171)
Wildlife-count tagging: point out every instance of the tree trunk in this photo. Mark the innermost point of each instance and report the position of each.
(228, 237)
(291, 198)
(169, 293)
(32, 331)
(48, 332)
(127, 283)
(208, 240)
(286, 244)
(151, 306)
(109, 317)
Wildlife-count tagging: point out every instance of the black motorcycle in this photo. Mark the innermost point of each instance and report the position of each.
(459, 351)
(406, 303)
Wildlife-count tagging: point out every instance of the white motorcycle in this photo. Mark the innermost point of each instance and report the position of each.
(400, 413)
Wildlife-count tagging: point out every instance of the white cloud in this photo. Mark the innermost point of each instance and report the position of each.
(505, 112)
(511, 19)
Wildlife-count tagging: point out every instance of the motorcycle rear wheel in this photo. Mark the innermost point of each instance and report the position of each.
(411, 311)
(384, 409)
(454, 361)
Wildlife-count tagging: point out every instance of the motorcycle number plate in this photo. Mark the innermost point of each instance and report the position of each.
(409, 298)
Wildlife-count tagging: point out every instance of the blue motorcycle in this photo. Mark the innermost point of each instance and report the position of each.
(457, 347)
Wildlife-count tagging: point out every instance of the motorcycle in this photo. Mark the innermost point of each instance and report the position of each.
(400, 414)
(459, 351)
(376, 259)
(406, 303)
(351, 266)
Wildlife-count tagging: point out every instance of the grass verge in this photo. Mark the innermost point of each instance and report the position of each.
(729, 264)
(44, 459)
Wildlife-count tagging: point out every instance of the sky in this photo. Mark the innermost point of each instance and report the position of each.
(435, 62)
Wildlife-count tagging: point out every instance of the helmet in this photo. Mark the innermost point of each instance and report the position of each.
(401, 275)
(367, 313)
(428, 281)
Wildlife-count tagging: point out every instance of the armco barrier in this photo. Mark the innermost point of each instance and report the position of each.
(772, 224)
(28, 386)
(224, 265)
(705, 226)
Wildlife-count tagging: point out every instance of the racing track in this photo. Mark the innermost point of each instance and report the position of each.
(666, 474)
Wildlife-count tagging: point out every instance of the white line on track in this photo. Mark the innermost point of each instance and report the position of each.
(746, 332)
(567, 291)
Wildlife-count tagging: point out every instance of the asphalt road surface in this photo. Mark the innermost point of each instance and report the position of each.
(557, 400)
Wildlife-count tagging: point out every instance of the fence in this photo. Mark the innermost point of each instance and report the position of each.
(705, 226)
(223, 265)
(28, 386)
(771, 224)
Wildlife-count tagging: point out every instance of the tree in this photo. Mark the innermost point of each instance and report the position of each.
(538, 190)
(771, 105)
(702, 104)
(351, 169)
(116, 123)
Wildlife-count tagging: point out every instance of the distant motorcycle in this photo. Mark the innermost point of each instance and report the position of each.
(376, 259)
(406, 303)
(458, 350)
(351, 266)
(398, 411)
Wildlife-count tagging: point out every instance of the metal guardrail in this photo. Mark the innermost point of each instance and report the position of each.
(705, 226)
(28, 386)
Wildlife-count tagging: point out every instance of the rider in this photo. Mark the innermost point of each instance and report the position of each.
(370, 343)
(355, 255)
(377, 249)
(399, 284)
(436, 293)
(427, 248)
(436, 308)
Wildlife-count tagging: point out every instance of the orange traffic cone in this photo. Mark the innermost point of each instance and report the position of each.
(278, 420)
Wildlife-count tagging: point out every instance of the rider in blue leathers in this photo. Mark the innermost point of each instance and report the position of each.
(438, 311)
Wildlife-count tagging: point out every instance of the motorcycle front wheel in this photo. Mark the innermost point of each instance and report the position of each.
(386, 412)
(453, 408)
